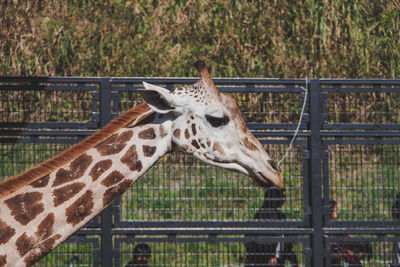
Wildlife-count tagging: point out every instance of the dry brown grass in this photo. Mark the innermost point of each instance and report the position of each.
(238, 39)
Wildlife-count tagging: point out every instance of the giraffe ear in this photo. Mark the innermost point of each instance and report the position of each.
(159, 99)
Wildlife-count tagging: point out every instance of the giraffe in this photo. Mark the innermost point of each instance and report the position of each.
(44, 205)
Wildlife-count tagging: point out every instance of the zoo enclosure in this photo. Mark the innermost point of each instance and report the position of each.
(348, 148)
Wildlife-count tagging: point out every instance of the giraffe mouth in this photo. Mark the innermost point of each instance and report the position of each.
(274, 178)
(265, 181)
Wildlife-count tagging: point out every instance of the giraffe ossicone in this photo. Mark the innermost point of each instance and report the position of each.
(43, 206)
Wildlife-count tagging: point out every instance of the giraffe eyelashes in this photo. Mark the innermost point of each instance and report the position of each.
(217, 121)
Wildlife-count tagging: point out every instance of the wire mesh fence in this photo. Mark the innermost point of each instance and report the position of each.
(16, 157)
(76, 251)
(228, 251)
(363, 251)
(182, 188)
(187, 208)
(364, 179)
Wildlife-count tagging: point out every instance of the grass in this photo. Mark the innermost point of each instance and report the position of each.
(357, 39)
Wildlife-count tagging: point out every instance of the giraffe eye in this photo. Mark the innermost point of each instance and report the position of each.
(217, 121)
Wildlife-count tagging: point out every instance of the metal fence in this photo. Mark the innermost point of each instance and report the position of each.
(192, 214)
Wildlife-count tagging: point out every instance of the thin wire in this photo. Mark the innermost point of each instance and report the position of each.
(298, 125)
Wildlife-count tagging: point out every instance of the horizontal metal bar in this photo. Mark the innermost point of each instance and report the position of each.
(287, 126)
(219, 224)
(90, 132)
(82, 239)
(88, 231)
(283, 141)
(280, 133)
(359, 126)
(240, 231)
(216, 80)
(25, 87)
(259, 89)
(50, 79)
(347, 90)
(39, 140)
(340, 141)
(360, 134)
(227, 89)
(9, 133)
(212, 231)
(367, 224)
(52, 125)
(359, 81)
(194, 79)
(369, 230)
(181, 239)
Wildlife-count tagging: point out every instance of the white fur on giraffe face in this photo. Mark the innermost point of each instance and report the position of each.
(212, 129)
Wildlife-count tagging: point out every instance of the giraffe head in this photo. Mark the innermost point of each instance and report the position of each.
(208, 124)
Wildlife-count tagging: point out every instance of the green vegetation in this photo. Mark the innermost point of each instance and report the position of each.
(285, 38)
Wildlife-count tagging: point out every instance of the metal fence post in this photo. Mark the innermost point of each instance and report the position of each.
(106, 215)
(315, 171)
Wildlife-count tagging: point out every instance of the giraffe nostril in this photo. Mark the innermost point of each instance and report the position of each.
(274, 165)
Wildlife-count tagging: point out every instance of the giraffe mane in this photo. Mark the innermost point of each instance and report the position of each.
(131, 117)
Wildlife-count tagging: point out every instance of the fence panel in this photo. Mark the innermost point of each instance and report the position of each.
(192, 214)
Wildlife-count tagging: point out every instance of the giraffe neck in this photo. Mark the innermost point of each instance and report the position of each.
(38, 217)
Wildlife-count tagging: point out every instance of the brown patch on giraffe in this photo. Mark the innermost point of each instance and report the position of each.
(201, 144)
(80, 209)
(40, 251)
(177, 133)
(249, 144)
(3, 260)
(99, 168)
(114, 144)
(187, 135)
(195, 144)
(112, 179)
(75, 170)
(131, 159)
(42, 182)
(208, 143)
(147, 134)
(218, 147)
(114, 192)
(66, 192)
(194, 129)
(149, 151)
(163, 132)
(45, 228)
(25, 244)
(25, 207)
(6, 232)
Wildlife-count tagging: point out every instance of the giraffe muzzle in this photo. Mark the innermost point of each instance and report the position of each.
(269, 180)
